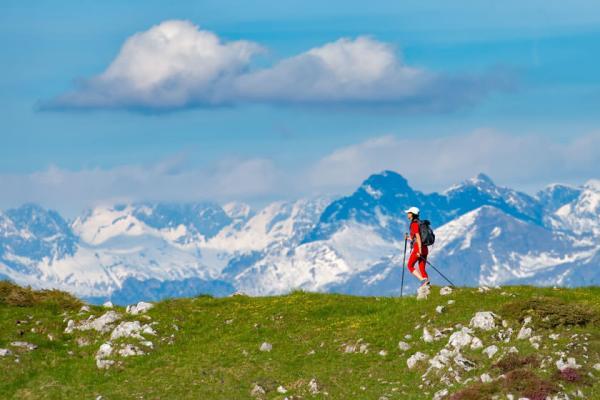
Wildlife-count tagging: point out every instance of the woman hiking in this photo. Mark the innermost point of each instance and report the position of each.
(419, 250)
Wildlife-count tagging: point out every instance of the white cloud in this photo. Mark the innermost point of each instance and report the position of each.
(430, 164)
(71, 191)
(435, 163)
(171, 65)
(176, 65)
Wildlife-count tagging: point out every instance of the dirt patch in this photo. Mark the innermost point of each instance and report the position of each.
(550, 312)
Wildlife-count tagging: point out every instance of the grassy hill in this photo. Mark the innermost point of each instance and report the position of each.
(324, 346)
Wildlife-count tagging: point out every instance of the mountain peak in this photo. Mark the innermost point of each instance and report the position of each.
(482, 178)
(385, 181)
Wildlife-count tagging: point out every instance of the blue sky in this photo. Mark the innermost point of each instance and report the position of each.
(478, 84)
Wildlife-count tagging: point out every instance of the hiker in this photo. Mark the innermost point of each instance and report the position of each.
(419, 250)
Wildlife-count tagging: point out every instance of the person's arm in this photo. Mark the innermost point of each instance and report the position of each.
(418, 238)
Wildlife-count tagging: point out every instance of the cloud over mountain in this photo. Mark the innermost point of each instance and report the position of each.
(176, 65)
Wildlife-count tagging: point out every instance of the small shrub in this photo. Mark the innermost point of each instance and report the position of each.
(550, 312)
(513, 361)
(569, 375)
(528, 384)
(15, 295)
(476, 391)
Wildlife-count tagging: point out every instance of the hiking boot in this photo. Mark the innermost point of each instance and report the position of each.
(425, 282)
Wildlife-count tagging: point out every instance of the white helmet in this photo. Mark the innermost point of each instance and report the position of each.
(413, 210)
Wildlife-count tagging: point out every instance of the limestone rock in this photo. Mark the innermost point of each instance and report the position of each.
(415, 358)
(484, 320)
(485, 378)
(108, 304)
(403, 346)
(460, 339)
(24, 345)
(524, 333)
(257, 390)
(490, 350)
(445, 291)
(139, 308)
(423, 292)
(440, 309)
(313, 386)
(561, 364)
(5, 352)
(130, 350)
(265, 346)
(440, 394)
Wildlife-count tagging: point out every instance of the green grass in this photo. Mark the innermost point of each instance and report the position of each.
(211, 359)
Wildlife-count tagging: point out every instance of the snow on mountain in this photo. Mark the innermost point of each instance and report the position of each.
(556, 195)
(486, 234)
(582, 214)
(481, 190)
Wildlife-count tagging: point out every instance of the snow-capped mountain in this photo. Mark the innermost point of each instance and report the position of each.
(486, 234)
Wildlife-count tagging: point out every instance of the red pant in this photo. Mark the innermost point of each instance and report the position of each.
(412, 260)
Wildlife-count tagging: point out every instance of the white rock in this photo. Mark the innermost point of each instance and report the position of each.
(363, 348)
(484, 320)
(313, 386)
(490, 350)
(485, 378)
(5, 352)
(265, 346)
(450, 302)
(597, 367)
(257, 390)
(524, 333)
(463, 362)
(415, 358)
(561, 364)
(440, 309)
(513, 350)
(84, 308)
(476, 343)
(527, 321)
(130, 350)
(427, 337)
(103, 364)
(407, 337)
(147, 343)
(441, 359)
(24, 345)
(349, 348)
(82, 342)
(108, 304)
(440, 394)
(403, 346)
(460, 339)
(445, 291)
(101, 324)
(383, 353)
(70, 326)
(127, 329)
(483, 289)
(103, 352)
(423, 292)
(554, 336)
(281, 389)
(139, 308)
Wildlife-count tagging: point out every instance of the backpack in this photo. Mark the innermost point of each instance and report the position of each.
(427, 235)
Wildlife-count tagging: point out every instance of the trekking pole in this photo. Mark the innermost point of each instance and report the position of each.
(403, 261)
(438, 271)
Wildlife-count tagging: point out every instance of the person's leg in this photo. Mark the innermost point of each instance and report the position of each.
(412, 260)
(422, 265)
